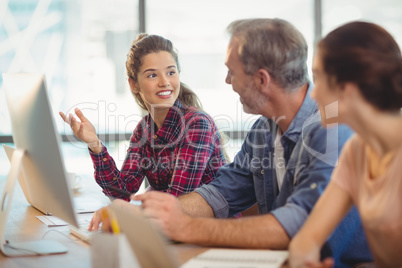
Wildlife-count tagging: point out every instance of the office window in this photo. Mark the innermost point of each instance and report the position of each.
(386, 13)
(198, 31)
(81, 46)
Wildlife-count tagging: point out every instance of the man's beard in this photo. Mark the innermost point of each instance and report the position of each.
(253, 103)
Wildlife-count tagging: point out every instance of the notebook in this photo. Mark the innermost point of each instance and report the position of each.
(232, 258)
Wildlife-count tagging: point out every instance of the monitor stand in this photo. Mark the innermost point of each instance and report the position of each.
(30, 248)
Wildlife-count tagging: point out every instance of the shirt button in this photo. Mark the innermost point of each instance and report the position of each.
(313, 185)
(155, 136)
(171, 172)
(114, 178)
(104, 159)
(262, 172)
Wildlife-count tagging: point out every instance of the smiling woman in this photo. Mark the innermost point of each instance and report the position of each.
(157, 85)
(176, 146)
(153, 70)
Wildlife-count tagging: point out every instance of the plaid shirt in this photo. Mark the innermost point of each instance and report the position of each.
(182, 155)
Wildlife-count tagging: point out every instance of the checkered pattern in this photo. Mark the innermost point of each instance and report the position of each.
(182, 155)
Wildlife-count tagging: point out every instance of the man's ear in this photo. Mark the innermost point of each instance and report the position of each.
(133, 85)
(262, 80)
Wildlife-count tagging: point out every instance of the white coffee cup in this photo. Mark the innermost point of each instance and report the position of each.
(74, 181)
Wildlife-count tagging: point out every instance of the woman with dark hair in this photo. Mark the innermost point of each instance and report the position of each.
(358, 81)
(176, 146)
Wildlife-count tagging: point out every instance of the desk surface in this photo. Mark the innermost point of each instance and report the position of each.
(23, 225)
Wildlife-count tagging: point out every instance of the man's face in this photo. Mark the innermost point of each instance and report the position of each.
(242, 83)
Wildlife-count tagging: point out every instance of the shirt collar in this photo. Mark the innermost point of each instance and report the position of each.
(171, 129)
(307, 109)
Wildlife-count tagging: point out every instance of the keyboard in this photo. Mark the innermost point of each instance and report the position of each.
(82, 232)
(84, 219)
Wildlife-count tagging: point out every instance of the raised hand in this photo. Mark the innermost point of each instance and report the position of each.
(83, 129)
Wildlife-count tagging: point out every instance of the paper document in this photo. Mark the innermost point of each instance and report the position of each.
(86, 204)
(233, 258)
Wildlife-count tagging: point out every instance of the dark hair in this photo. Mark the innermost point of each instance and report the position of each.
(146, 44)
(367, 55)
(274, 45)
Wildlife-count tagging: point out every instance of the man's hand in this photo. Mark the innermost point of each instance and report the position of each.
(165, 210)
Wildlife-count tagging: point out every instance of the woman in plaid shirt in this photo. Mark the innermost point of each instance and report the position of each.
(176, 146)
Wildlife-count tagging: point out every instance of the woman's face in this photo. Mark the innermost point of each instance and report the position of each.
(158, 80)
(325, 95)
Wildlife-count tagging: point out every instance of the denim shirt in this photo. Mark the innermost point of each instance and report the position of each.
(310, 154)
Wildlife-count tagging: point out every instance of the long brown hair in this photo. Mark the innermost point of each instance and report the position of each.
(145, 44)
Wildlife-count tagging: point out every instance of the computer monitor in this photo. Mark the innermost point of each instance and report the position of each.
(32, 193)
(38, 156)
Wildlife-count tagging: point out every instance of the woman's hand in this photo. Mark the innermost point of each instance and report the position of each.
(103, 218)
(83, 129)
(304, 253)
(97, 219)
(326, 263)
(108, 220)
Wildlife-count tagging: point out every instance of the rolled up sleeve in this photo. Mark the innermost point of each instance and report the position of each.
(291, 217)
(215, 199)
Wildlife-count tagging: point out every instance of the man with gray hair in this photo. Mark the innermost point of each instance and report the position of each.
(285, 161)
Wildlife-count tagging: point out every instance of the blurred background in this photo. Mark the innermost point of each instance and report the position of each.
(81, 46)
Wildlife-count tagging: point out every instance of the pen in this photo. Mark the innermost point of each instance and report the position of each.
(124, 193)
(113, 222)
(115, 225)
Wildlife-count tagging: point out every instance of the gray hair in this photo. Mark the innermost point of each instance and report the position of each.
(274, 45)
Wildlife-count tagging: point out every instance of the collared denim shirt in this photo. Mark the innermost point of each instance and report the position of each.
(310, 154)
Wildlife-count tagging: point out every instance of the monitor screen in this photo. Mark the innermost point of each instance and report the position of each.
(34, 132)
